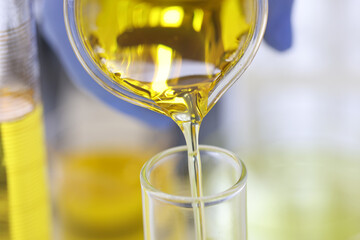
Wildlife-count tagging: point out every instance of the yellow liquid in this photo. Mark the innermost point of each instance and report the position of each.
(99, 195)
(171, 53)
(24, 205)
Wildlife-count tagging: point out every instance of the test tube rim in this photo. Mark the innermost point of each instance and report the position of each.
(188, 201)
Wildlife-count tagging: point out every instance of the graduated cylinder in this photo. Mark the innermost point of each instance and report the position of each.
(24, 205)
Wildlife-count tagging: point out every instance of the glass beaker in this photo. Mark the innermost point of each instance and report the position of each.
(236, 50)
(24, 205)
(168, 208)
(96, 157)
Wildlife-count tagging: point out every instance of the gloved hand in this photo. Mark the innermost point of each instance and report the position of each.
(278, 32)
(278, 35)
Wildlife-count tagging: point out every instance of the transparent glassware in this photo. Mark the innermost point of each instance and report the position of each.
(96, 155)
(186, 98)
(167, 203)
(24, 200)
(258, 9)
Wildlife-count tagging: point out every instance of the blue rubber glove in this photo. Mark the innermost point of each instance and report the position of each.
(278, 32)
(278, 35)
(52, 28)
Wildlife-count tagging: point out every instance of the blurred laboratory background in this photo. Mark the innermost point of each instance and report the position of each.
(293, 117)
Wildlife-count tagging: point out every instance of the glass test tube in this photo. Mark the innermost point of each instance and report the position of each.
(167, 203)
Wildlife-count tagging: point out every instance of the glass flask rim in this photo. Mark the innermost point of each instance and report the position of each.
(210, 200)
(261, 11)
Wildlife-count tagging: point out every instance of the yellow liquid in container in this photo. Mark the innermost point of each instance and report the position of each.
(98, 195)
(24, 205)
(171, 53)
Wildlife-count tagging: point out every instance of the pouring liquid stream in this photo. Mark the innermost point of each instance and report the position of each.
(191, 133)
(171, 54)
